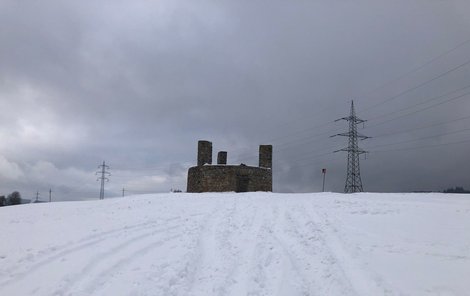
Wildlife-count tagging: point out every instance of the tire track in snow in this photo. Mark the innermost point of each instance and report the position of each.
(315, 260)
(274, 270)
(105, 276)
(243, 240)
(300, 278)
(90, 241)
(235, 241)
(213, 249)
(260, 260)
(360, 282)
(180, 275)
(115, 257)
(48, 253)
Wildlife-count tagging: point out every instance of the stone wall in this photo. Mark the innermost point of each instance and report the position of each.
(223, 178)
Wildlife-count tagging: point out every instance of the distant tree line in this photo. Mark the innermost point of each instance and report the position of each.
(12, 199)
(456, 190)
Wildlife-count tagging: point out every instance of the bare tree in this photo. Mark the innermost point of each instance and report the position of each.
(14, 198)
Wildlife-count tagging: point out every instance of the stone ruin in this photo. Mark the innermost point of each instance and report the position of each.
(206, 177)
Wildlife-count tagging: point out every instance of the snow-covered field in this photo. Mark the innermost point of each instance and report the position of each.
(239, 244)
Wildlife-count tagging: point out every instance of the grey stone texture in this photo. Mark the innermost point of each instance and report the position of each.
(222, 157)
(266, 156)
(204, 153)
(222, 178)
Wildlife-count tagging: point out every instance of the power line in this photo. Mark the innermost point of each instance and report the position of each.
(310, 138)
(422, 147)
(281, 146)
(292, 143)
(421, 127)
(417, 86)
(313, 156)
(298, 119)
(416, 69)
(156, 167)
(286, 145)
(423, 138)
(302, 131)
(421, 110)
(316, 162)
(420, 103)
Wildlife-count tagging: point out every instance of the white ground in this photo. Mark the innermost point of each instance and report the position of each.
(239, 244)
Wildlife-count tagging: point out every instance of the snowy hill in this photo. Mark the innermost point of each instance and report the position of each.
(239, 244)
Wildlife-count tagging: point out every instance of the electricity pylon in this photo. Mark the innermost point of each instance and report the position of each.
(104, 177)
(353, 179)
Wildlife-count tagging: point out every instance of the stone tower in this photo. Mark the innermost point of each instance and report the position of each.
(204, 153)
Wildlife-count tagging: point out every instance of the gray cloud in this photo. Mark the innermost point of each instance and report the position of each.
(138, 83)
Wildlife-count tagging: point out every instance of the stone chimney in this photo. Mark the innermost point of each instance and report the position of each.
(266, 156)
(222, 157)
(204, 153)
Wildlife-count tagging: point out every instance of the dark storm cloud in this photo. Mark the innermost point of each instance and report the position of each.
(138, 83)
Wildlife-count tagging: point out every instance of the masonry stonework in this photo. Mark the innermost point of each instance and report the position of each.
(222, 177)
(204, 154)
(266, 156)
(222, 157)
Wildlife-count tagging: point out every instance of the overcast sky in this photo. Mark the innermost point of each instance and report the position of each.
(138, 83)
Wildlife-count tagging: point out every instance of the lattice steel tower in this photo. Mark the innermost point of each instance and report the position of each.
(103, 177)
(353, 179)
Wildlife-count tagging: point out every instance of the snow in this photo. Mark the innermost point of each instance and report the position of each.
(239, 244)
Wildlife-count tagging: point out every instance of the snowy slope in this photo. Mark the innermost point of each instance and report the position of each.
(239, 244)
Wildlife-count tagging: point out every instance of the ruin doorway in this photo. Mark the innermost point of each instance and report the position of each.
(242, 183)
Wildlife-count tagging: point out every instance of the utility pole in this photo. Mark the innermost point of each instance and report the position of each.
(50, 195)
(353, 179)
(324, 175)
(37, 196)
(123, 192)
(103, 178)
